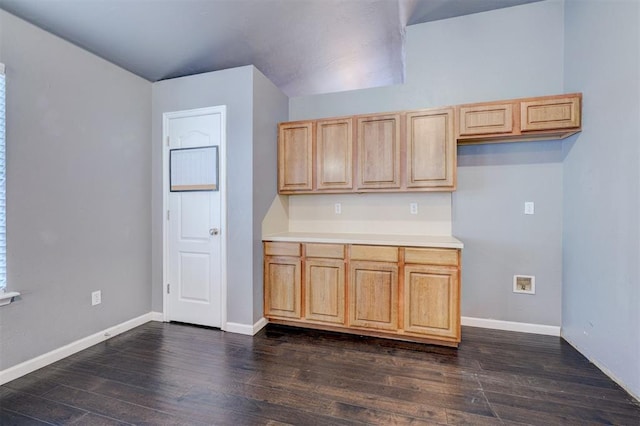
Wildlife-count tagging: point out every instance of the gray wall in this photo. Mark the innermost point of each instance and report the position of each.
(233, 88)
(79, 158)
(493, 55)
(270, 106)
(601, 300)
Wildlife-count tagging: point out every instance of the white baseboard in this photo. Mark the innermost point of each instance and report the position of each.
(249, 330)
(523, 327)
(259, 325)
(157, 316)
(33, 364)
(602, 368)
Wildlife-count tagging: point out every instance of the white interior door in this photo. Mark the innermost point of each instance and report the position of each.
(195, 225)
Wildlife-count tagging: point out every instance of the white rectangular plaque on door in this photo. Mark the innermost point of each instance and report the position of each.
(194, 169)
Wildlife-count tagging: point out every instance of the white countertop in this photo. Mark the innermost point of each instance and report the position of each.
(435, 241)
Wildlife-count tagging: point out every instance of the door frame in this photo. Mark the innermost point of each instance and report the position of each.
(222, 176)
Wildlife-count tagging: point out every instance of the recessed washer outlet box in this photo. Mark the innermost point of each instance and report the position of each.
(524, 284)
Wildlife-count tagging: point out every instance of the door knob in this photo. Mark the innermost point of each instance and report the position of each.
(214, 231)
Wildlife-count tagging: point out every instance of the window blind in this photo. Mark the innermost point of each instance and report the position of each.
(3, 186)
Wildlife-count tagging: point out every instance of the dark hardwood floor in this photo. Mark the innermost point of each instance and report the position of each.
(167, 374)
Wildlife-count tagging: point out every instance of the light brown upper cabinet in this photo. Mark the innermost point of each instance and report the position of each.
(526, 119)
(379, 151)
(486, 119)
(334, 153)
(406, 151)
(431, 149)
(295, 151)
(551, 113)
(410, 151)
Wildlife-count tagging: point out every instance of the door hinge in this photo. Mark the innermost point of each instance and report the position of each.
(168, 288)
(168, 140)
(168, 214)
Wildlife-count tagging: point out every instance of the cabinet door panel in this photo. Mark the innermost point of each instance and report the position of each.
(431, 301)
(324, 290)
(486, 119)
(374, 295)
(431, 149)
(334, 148)
(379, 152)
(282, 277)
(295, 150)
(549, 114)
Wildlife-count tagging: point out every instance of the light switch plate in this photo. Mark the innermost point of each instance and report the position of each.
(529, 207)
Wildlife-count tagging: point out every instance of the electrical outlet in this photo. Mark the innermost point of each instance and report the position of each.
(413, 208)
(96, 298)
(529, 207)
(337, 208)
(524, 284)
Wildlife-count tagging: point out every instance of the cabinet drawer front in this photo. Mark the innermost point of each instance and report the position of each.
(374, 253)
(485, 119)
(331, 251)
(549, 114)
(281, 249)
(445, 257)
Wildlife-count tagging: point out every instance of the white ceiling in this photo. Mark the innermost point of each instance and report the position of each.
(303, 46)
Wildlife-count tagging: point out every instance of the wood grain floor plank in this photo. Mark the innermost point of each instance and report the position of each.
(372, 416)
(455, 417)
(263, 408)
(565, 411)
(41, 409)
(590, 400)
(33, 384)
(91, 419)
(551, 385)
(423, 411)
(113, 408)
(184, 406)
(10, 418)
(541, 418)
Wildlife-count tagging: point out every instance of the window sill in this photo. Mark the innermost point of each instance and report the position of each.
(6, 298)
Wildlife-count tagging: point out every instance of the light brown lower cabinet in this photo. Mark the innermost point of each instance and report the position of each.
(405, 293)
(283, 294)
(431, 300)
(373, 295)
(324, 290)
